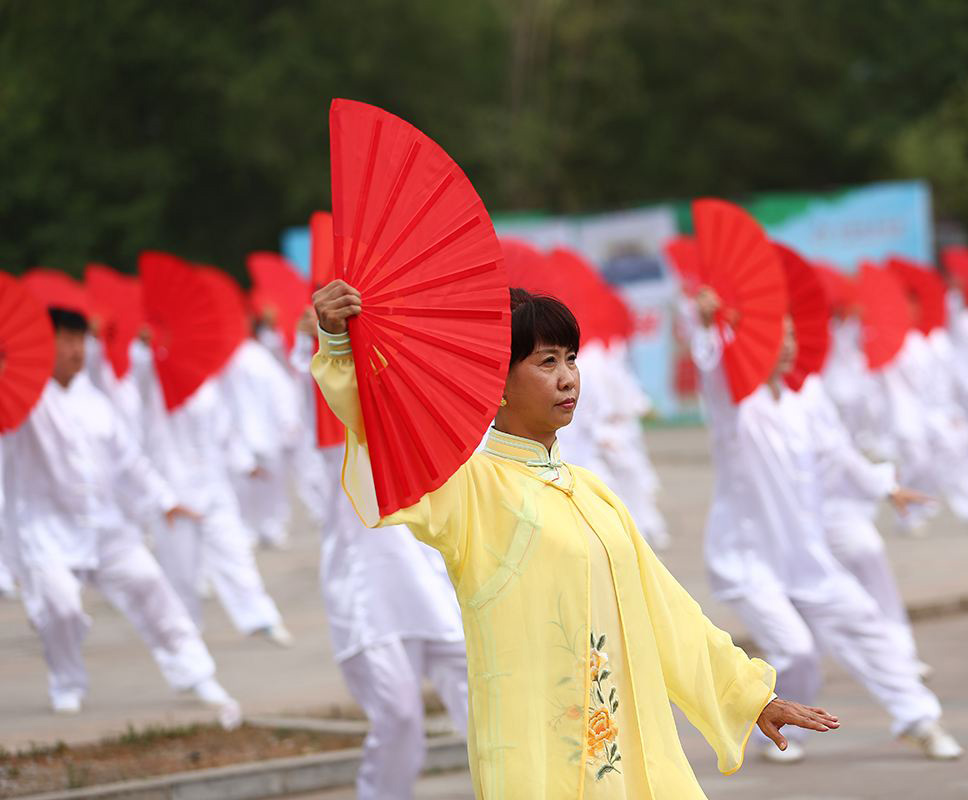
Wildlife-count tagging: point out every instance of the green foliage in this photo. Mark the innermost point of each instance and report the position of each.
(202, 127)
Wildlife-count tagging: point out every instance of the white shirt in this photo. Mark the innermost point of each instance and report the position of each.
(764, 525)
(71, 471)
(262, 399)
(850, 483)
(194, 446)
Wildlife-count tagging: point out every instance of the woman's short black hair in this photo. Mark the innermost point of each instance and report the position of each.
(540, 319)
(67, 320)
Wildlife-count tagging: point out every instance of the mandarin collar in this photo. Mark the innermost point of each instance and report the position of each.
(526, 451)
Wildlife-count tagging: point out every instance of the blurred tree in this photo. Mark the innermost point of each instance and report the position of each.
(201, 128)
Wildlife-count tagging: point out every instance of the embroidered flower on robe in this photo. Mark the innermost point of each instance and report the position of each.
(602, 734)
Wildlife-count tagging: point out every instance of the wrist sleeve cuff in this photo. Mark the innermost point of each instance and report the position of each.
(334, 345)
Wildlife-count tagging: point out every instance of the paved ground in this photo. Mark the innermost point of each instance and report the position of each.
(858, 762)
(126, 688)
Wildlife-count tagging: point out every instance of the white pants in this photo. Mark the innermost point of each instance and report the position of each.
(264, 503)
(7, 585)
(849, 626)
(858, 546)
(386, 680)
(131, 580)
(216, 547)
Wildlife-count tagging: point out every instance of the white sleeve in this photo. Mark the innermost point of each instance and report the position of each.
(836, 453)
(140, 488)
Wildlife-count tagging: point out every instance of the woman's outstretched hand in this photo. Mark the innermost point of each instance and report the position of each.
(782, 712)
(334, 303)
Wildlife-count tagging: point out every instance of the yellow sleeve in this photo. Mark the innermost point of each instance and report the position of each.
(720, 689)
(440, 517)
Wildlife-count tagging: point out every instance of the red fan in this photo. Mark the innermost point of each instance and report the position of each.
(811, 317)
(529, 269)
(432, 343)
(55, 289)
(602, 312)
(233, 310)
(683, 252)
(955, 260)
(116, 298)
(885, 315)
(329, 430)
(925, 289)
(840, 290)
(321, 269)
(564, 274)
(738, 262)
(526, 266)
(191, 338)
(278, 288)
(26, 351)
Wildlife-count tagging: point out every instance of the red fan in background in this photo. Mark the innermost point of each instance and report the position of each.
(233, 309)
(955, 260)
(840, 290)
(116, 299)
(432, 343)
(26, 351)
(683, 252)
(191, 337)
(321, 268)
(329, 430)
(811, 317)
(527, 267)
(925, 290)
(602, 313)
(885, 315)
(278, 289)
(738, 262)
(56, 289)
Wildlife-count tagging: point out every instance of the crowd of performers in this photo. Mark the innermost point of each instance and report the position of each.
(106, 484)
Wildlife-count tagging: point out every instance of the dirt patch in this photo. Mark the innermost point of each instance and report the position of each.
(154, 751)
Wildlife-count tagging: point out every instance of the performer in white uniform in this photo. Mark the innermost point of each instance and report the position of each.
(624, 447)
(851, 487)
(930, 428)
(74, 479)
(195, 449)
(855, 391)
(394, 620)
(264, 407)
(8, 587)
(958, 333)
(768, 558)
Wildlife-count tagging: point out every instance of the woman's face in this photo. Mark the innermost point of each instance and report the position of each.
(542, 390)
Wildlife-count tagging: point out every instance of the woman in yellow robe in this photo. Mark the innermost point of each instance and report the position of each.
(578, 638)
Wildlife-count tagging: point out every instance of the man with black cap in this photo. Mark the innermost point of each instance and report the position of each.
(74, 481)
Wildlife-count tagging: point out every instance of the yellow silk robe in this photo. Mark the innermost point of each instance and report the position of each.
(516, 548)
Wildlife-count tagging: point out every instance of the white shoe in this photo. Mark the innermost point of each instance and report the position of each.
(230, 715)
(934, 741)
(925, 671)
(793, 753)
(69, 703)
(210, 692)
(277, 634)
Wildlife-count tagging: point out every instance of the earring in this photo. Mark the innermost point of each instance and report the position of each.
(504, 402)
